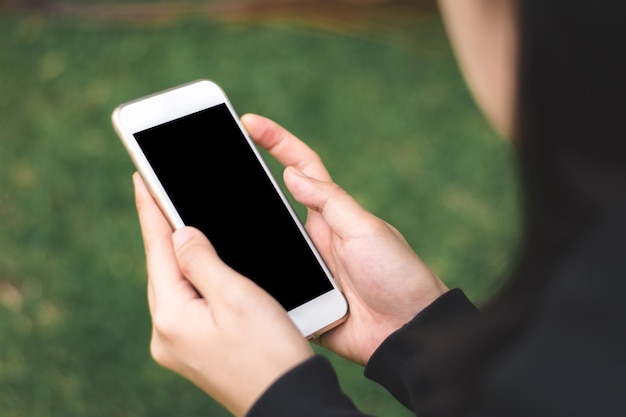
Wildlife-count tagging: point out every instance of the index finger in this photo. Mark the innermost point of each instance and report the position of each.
(285, 147)
(163, 272)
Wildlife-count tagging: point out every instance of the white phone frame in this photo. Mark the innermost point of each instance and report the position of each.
(312, 318)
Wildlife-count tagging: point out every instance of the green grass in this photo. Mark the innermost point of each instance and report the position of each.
(393, 121)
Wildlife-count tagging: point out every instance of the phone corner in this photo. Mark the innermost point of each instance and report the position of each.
(115, 115)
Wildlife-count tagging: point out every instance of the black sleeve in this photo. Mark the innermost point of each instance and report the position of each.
(312, 388)
(399, 364)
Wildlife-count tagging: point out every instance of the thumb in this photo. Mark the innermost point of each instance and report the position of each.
(340, 211)
(199, 263)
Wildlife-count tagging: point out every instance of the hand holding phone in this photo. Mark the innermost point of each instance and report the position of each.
(204, 171)
(385, 281)
(211, 324)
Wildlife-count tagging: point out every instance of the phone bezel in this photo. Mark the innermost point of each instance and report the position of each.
(312, 318)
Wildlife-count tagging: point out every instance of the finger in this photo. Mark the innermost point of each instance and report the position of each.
(200, 264)
(285, 147)
(340, 211)
(164, 275)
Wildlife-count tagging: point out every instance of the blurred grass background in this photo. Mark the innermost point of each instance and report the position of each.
(387, 110)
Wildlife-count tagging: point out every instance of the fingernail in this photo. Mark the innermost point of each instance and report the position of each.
(181, 236)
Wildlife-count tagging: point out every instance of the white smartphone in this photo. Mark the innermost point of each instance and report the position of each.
(204, 171)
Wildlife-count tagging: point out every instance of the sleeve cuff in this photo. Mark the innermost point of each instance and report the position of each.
(311, 389)
(399, 365)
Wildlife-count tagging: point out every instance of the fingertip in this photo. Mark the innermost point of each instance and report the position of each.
(250, 121)
(141, 191)
(303, 187)
(248, 117)
(298, 183)
(182, 236)
(137, 180)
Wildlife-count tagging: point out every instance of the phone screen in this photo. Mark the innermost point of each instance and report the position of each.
(215, 182)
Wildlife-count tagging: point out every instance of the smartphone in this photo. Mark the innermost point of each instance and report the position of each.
(203, 170)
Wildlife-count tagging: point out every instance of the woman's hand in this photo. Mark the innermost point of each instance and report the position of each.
(385, 282)
(210, 324)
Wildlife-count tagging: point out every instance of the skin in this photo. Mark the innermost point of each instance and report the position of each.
(483, 37)
(230, 338)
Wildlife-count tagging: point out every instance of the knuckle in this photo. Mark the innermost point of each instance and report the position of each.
(333, 192)
(238, 294)
(159, 353)
(189, 255)
(193, 253)
(335, 189)
(164, 324)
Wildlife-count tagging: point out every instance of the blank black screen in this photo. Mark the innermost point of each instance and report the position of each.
(216, 184)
